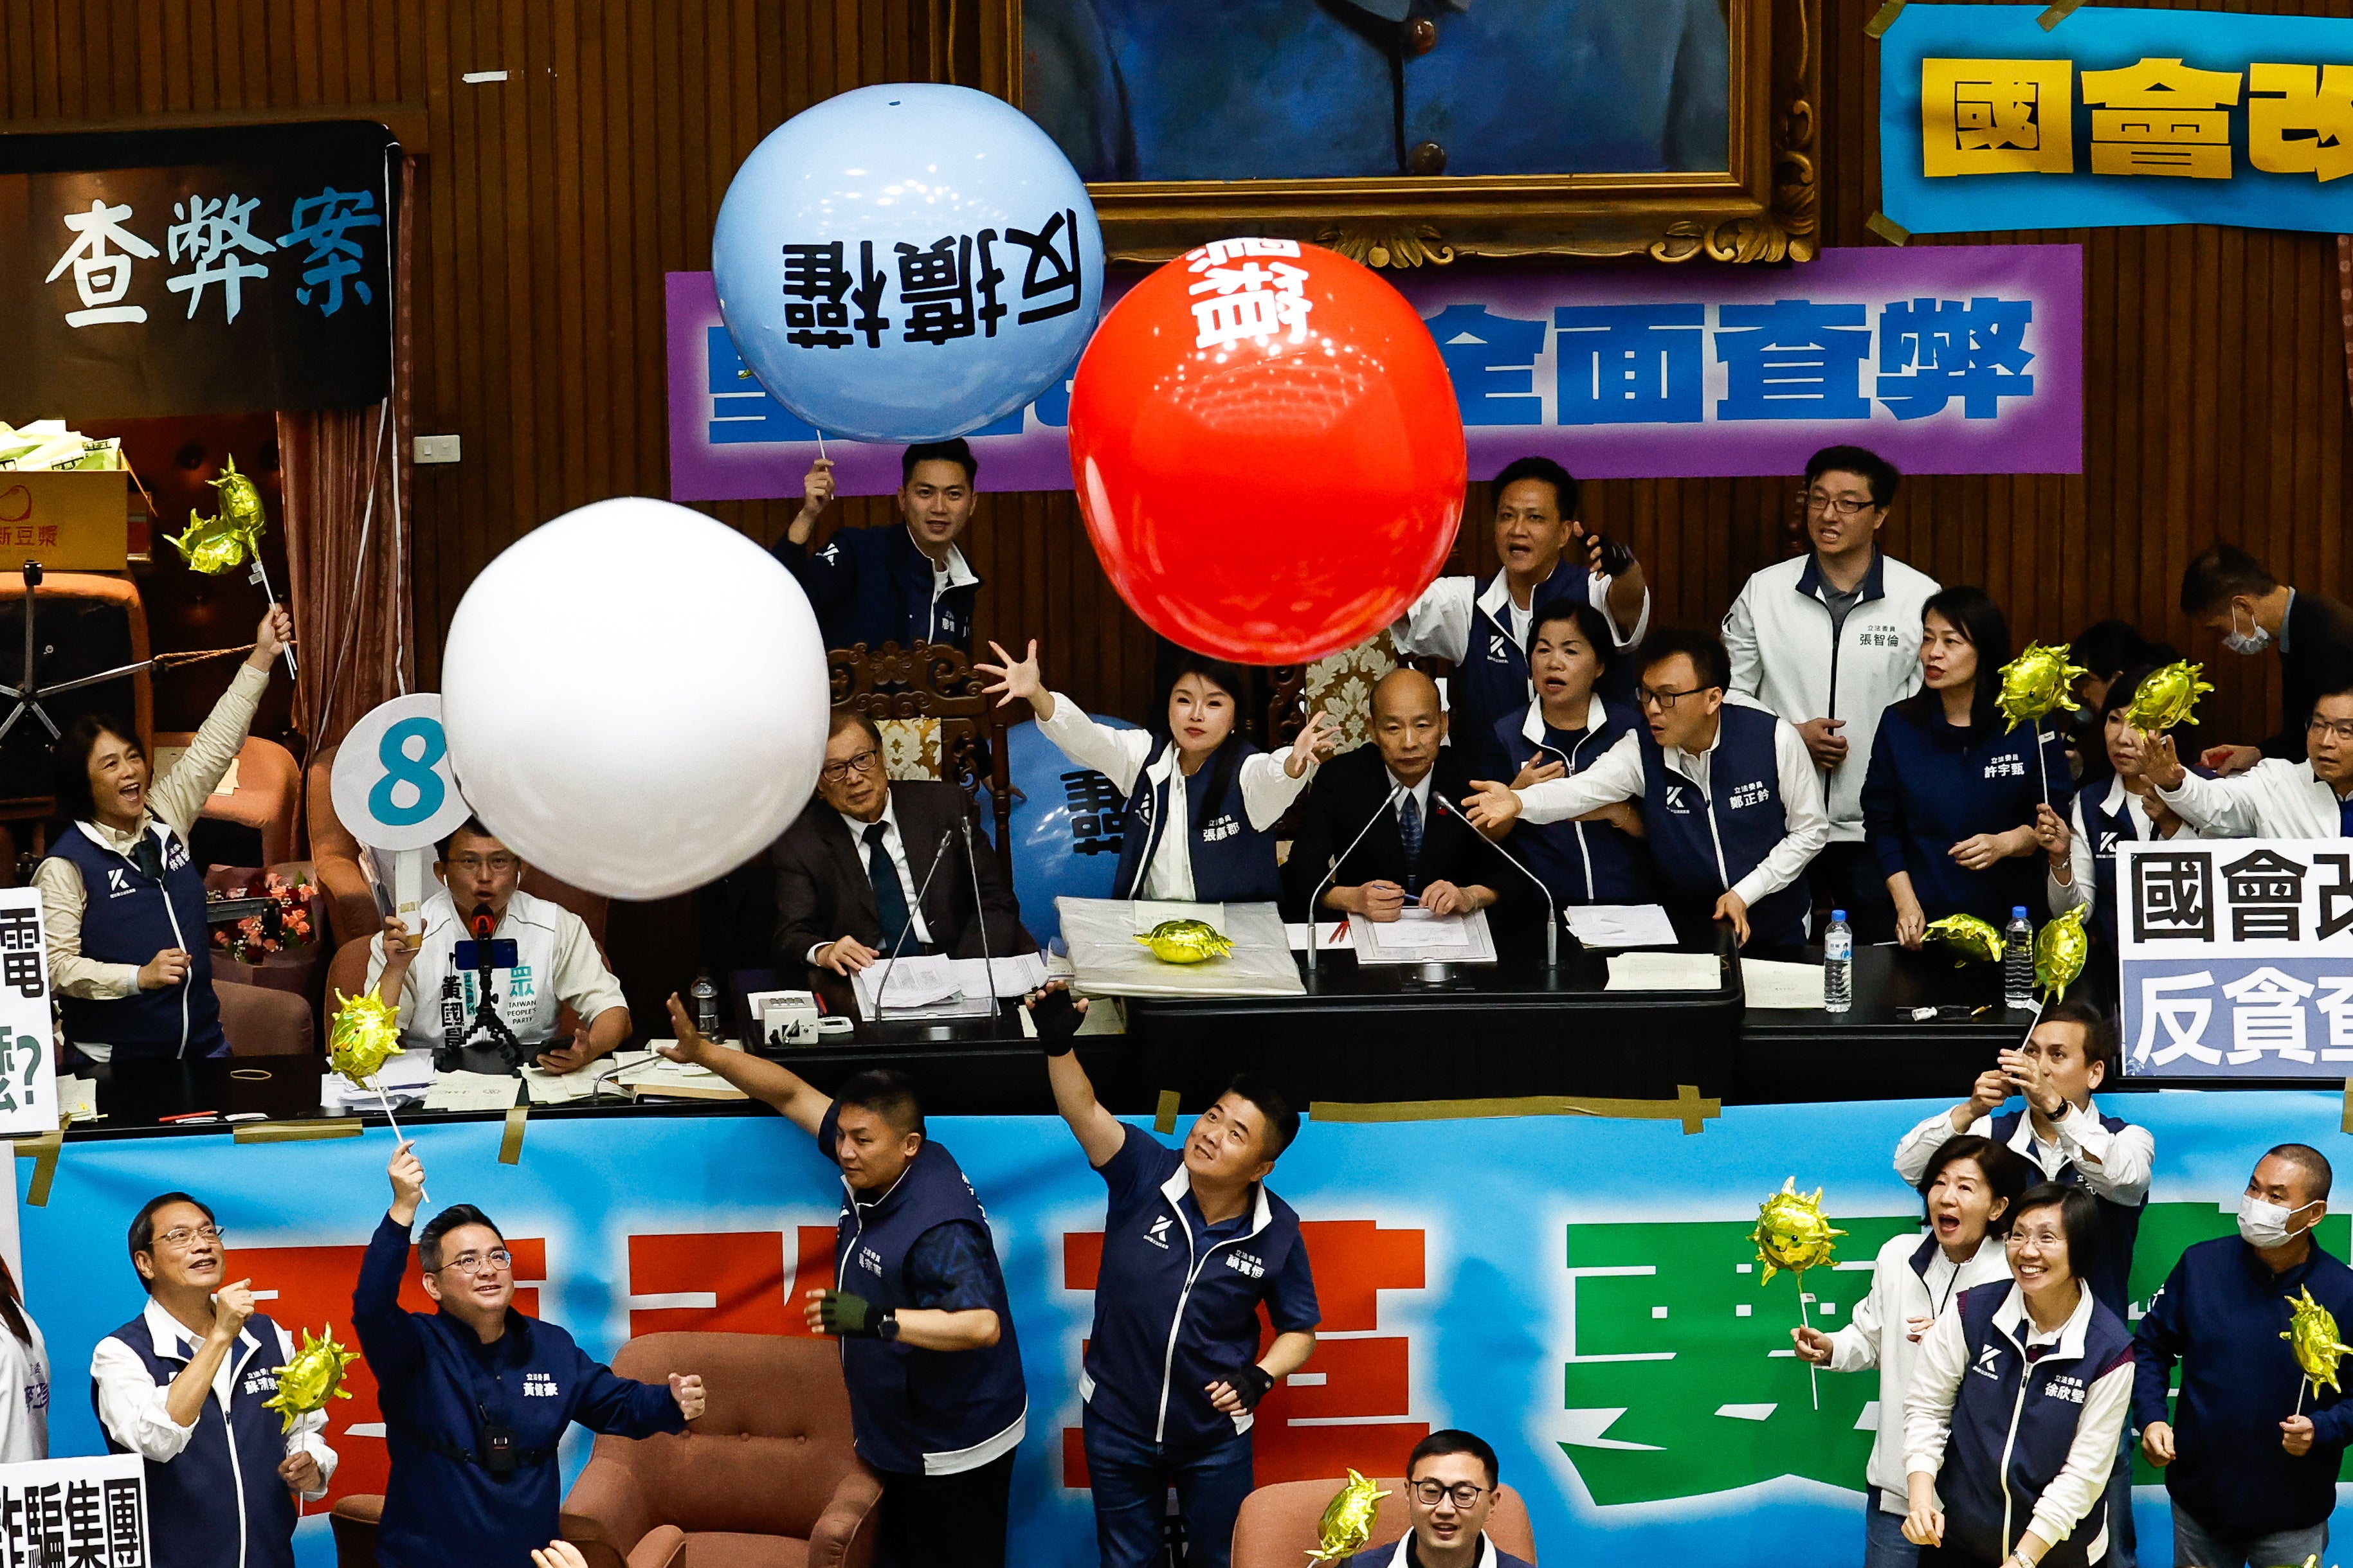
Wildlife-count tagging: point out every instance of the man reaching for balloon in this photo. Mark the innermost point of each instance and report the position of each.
(905, 585)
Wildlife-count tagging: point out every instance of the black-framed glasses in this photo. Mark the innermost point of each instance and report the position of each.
(861, 764)
(471, 1264)
(1664, 702)
(1429, 1494)
(1844, 506)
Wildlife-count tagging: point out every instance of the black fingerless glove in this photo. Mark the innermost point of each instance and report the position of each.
(1617, 559)
(1251, 1385)
(1058, 1018)
(846, 1316)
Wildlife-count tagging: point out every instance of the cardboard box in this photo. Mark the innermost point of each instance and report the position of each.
(77, 520)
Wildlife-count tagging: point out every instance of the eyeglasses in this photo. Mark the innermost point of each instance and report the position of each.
(1845, 506)
(1664, 702)
(472, 1264)
(184, 1236)
(861, 764)
(1429, 1494)
(475, 865)
(2338, 728)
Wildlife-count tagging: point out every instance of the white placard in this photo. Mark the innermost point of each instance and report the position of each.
(74, 1511)
(393, 786)
(29, 1062)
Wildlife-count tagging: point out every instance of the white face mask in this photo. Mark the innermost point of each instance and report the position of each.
(2265, 1224)
(2248, 642)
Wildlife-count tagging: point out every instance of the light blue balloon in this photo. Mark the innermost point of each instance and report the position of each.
(842, 212)
(1066, 826)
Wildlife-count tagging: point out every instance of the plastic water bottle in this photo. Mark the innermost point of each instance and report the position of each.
(706, 1006)
(1837, 964)
(2018, 960)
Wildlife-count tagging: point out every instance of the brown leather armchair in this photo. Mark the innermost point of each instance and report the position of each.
(766, 1479)
(1277, 1525)
(268, 790)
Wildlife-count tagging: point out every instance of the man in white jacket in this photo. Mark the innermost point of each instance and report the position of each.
(1826, 640)
(2275, 798)
(1969, 1187)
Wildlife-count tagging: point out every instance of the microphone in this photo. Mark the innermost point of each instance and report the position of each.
(1314, 899)
(482, 923)
(1552, 910)
(979, 911)
(909, 929)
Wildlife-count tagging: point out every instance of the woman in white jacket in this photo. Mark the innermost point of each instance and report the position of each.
(1969, 1186)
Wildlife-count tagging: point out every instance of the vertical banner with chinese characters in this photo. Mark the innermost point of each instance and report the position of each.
(1946, 358)
(2238, 957)
(2119, 119)
(74, 1513)
(1582, 1292)
(203, 272)
(28, 1063)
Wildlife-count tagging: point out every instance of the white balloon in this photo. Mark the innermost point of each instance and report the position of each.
(635, 698)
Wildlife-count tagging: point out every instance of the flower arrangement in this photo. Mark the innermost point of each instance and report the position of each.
(250, 941)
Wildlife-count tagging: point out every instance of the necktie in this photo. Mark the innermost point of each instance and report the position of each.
(890, 894)
(1410, 834)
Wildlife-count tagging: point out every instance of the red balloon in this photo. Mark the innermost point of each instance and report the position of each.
(1267, 451)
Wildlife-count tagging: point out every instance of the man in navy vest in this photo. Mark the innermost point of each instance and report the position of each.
(477, 1396)
(1484, 632)
(2248, 1483)
(1731, 802)
(183, 1386)
(938, 1404)
(903, 585)
(1451, 1482)
(1193, 1245)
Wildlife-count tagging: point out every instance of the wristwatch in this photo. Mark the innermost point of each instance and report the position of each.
(887, 1326)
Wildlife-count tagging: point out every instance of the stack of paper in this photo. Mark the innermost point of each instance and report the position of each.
(940, 985)
(1621, 925)
(1664, 972)
(404, 1077)
(1771, 983)
(471, 1091)
(1417, 936)
(78, 1099)
(563, 1087)
(659, 1076)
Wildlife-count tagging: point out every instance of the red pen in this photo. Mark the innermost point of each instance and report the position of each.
(192, 1116)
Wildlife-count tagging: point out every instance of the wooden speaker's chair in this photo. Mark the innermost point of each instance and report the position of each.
(936, 719)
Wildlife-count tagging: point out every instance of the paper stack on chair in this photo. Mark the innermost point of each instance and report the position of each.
(405, 1077)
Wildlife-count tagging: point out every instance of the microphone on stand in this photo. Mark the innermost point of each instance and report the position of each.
(909, 929)
(482, 923)
(1552, 910)
(1314, 899)
(979, 911)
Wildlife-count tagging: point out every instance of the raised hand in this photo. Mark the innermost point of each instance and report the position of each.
(1017, 680)
(1313, 744)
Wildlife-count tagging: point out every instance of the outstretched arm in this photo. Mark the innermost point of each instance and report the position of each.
(1099, 1132)
(791, 1095)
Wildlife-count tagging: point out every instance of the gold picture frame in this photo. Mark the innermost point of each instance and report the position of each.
(1763, 208)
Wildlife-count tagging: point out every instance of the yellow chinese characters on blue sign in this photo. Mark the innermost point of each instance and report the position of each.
(2120, 118)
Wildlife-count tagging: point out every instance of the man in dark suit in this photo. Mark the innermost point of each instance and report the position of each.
(1415, 850)
(850, 873)
(2227, 592)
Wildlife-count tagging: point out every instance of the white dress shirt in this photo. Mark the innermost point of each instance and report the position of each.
(2114, 1165)
(951, 571)
(131, 1402)
(2274, 799)
(895, 843)
(2083, 855)
(1438, 625)
(1617, 774)
(1121, 755)
(1937, 1383)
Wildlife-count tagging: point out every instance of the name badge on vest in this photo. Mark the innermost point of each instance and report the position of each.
(1746, 795)
(1219, 827)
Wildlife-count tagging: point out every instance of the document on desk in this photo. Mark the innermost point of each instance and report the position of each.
(1664, 972)
(932, 985)
(913, 981)
(1005, 975)
(564, 1087)
(657, 1076)
(1621, 925)
(1769, 983)
(1417, 936)
(471, 1091)
(404, 1077)
(78, 1099)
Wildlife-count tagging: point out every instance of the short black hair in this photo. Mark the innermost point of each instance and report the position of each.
(1877, 472)
(471, 828)
(2099, 1029)
(2222, 572)
(957, 451)
(1591, 624)
(428, 1240)
(69, 763)
(2006, 1174)
(1971, 612)
(2079, 1221)
(1454, 1440)
(889, 1094)
(1705, 649)
(142, 1227)
(2109, 647)
(843, 718)
(1282, 1121)
(1567, 494)
(2309, 1161)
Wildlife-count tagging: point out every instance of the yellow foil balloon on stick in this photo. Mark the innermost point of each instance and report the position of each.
(1970, 937)
(2168, 697)
(2059, 950)
(2034, 683)
(314, 1376)
(1348, 1522)
(2312, 1335)
(231, 536)
(1793, 1235)
(1186, 942)
(364, 1036)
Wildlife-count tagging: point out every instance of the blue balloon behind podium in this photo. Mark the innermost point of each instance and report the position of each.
(1067, 822)
(908, 262)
